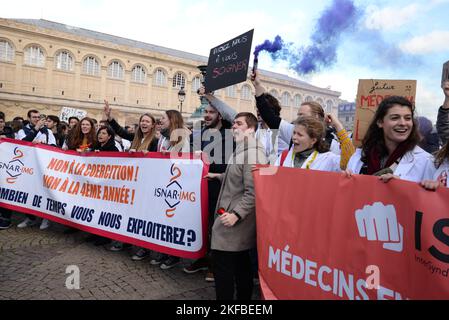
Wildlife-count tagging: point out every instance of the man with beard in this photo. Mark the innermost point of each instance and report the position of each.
(213, 142)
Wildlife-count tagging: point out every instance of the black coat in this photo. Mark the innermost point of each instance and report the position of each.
(109, 146)
(7, 132)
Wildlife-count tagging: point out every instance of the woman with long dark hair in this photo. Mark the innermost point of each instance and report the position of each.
(105, 142)
(390, 147)
(82, 137)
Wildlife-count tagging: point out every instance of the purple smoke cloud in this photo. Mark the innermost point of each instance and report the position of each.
(334, 21)
(271, 47)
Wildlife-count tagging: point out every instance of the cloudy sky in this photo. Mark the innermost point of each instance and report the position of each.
(387, 39)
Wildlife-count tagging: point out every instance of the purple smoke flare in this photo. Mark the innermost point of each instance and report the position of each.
(271, 47)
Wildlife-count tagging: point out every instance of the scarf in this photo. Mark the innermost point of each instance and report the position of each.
(374, 159)
(166, 133)
(301, 157)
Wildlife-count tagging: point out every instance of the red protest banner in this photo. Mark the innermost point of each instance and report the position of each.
(325, 236)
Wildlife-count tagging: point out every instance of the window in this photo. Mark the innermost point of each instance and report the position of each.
(231, 92)
(179, 80)
(196, 84)
(286, 99)
(91, 66)
(347, 119)
(298, 100)
(246, 93)
(309, 99)
(160, 78)
(274, 93)
(139, 75)
(329, 106)
(6, 51)
(34, 56)
(64, 61)
(115, 70)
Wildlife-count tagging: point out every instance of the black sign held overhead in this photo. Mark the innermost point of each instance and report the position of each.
(228, 63)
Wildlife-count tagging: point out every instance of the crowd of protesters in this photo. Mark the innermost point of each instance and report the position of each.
(397, 145)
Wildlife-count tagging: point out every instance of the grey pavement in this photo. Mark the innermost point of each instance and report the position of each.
(33, 266)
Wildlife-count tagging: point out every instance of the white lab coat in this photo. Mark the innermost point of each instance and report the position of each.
(415, 165)
(327, 161)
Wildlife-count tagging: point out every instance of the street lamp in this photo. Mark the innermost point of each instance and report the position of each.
(181, 96)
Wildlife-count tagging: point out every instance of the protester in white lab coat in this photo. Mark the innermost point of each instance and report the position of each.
(390, 148)
(309, 149)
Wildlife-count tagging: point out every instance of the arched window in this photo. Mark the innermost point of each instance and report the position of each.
(34, 56)
(286, 99)
(309, 99)
(64, 61)
(6, 51)
(196, 84)
(115, 70)
(298, 100)
(246, 93)
(91, 66)
(159, 77)
(231, 92)
(321, 102)
(329, 106)
(179, 80)
(139, 75)
(274, 93)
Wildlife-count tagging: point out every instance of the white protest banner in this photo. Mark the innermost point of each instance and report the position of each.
(66, 113)
(155, 201)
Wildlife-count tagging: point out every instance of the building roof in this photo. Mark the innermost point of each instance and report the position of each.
(45, 24)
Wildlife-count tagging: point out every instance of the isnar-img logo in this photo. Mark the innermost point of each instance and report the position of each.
(15, 168)
(173, 193)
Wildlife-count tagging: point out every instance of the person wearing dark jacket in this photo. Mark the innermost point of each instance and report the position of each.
(430, 141)
(5, 131)
(36, 131)
(213, 139)
(105, 142)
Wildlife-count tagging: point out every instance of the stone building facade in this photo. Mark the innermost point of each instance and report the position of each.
(46, 65)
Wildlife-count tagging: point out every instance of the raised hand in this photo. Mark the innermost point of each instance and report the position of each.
(107, 110)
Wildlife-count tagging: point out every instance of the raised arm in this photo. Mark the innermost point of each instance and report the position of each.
(266, 111)
(227, 112)
(346, 146)
(119, 130)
